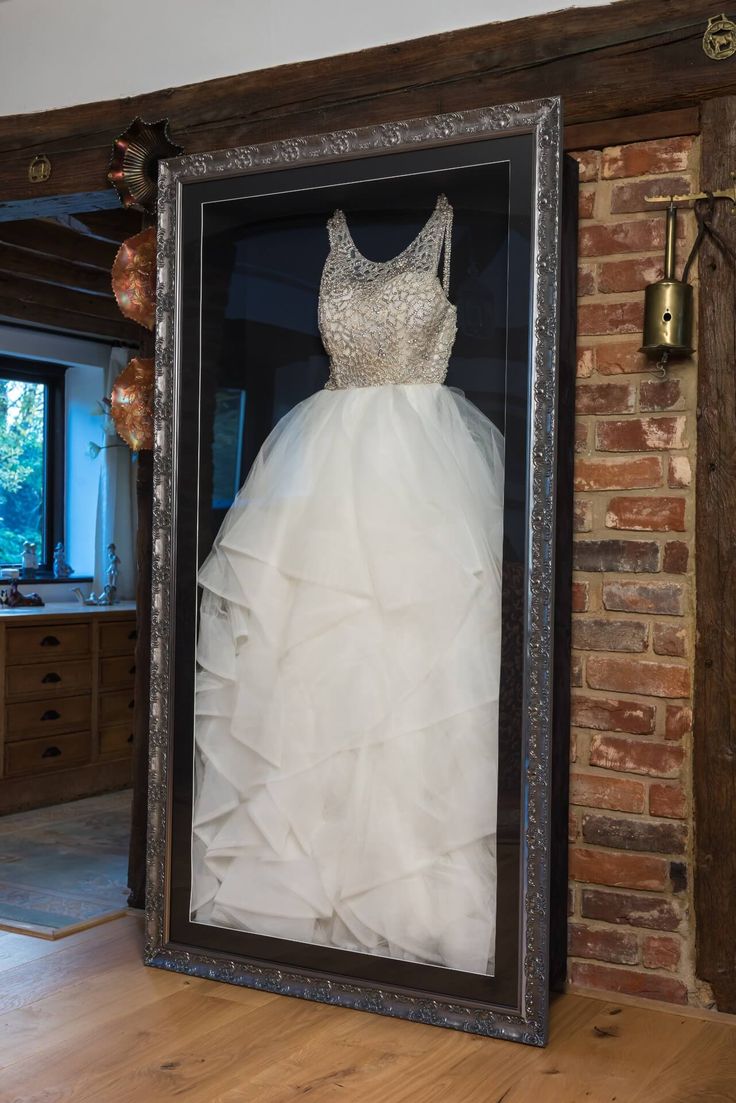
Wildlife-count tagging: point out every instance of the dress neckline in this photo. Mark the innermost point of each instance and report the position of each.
(441, 202)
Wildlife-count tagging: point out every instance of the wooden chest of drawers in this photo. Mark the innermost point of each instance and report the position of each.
(66, 703)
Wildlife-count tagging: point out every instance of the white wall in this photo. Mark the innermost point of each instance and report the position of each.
(55, 53)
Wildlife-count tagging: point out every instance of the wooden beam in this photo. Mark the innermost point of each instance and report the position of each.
(60, 298)
(714, 742)
(115, 225)
(632, 128)
(623, 59)
(35, 315)
(52, 240)
(23, 264)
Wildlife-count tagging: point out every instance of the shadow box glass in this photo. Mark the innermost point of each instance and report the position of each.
(360, 615)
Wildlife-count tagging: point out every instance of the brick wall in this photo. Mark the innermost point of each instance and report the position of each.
(633, 627)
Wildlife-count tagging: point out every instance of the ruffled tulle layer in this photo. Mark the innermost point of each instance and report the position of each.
(347, 692)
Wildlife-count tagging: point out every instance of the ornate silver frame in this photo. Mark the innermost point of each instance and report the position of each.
(541, 118)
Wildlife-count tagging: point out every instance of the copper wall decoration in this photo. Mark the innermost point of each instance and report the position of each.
(134, 277)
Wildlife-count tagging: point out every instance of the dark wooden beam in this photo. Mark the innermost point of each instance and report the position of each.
(60, 298)
(115, 225)
(37, 315)
(23, 264)
(632, 128)
(53, 240)
(714, 742)
(627, 58)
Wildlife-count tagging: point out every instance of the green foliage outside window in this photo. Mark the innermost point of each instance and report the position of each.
(22, 431)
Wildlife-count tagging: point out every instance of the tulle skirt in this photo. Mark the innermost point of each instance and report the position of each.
(345, 763)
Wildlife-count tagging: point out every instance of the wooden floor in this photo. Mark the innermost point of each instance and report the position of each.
(81, 1019)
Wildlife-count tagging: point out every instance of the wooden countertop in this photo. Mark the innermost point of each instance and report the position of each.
(67, 609)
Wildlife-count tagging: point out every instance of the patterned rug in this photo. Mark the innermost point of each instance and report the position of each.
(64, 867)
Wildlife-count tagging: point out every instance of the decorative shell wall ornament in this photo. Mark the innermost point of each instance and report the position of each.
(134, 277)
(134, 164)
(131, 404)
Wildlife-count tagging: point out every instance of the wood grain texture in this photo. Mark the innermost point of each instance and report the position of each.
(714, 741)
(624, 59)
(84, 1020)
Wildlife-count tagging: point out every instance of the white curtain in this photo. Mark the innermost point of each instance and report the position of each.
(117, 512)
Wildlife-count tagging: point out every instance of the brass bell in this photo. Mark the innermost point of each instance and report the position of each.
(668, 306)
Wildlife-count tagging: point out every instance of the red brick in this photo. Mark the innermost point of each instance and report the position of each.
(652, 912)
(580, 597)
(639, 556)
(615, 276)
(646, 158)
(675, 557)
(651, 986)
(669, 639)
(586, 280)
(612, 473)
(586, 202)
(573, 829)
(576, 671)
(679, 473)
(641, 434)
(630, 198)
(612, 715)
(667, 800)
(589, 163)
(678, 721)
(610, 635)
(660, 952)
(636, 756)
(652, 514)
(603, 318)
(652, 836)
(623, 871)
(660, 394)
(653, 679)
(582, 515)
(598, 791)
(603, 239)
(603, 944)
(581, 436)
(644, 597)
(621, 358)
(604, 398)
(585, 361)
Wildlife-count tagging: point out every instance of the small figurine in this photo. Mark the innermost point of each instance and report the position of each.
(14, 599)
(113, 565)
(29, 558)
(61, 567)
(107, 597)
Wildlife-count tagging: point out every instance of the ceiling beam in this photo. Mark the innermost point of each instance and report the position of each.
(33, 266)
(53, 240)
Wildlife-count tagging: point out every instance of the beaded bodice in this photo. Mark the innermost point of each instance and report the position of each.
(388, 321)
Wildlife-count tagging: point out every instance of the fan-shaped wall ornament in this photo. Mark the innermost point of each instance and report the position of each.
(134, 164)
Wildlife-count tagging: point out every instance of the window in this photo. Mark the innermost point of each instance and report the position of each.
(31, 459)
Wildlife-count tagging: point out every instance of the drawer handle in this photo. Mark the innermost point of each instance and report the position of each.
(131, 704)
(133, 635)
(132, 669)
(52, 676)
(51, 752)
(50, 641)
(130, 738)
(51, 714)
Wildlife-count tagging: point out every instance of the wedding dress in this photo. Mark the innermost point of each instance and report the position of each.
(345, 764)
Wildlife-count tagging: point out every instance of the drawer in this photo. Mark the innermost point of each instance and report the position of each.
(117, 671)
(118, 637)
(116, 708)
(49, 678)
(117, 740)
(33, 756)
(33, 718)
(57, 640)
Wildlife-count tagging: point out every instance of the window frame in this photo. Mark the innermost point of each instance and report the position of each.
(53, 377)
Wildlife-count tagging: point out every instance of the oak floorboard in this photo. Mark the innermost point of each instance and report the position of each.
(88, 1023)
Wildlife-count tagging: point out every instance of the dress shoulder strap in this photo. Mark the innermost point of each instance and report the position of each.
(445, 240)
